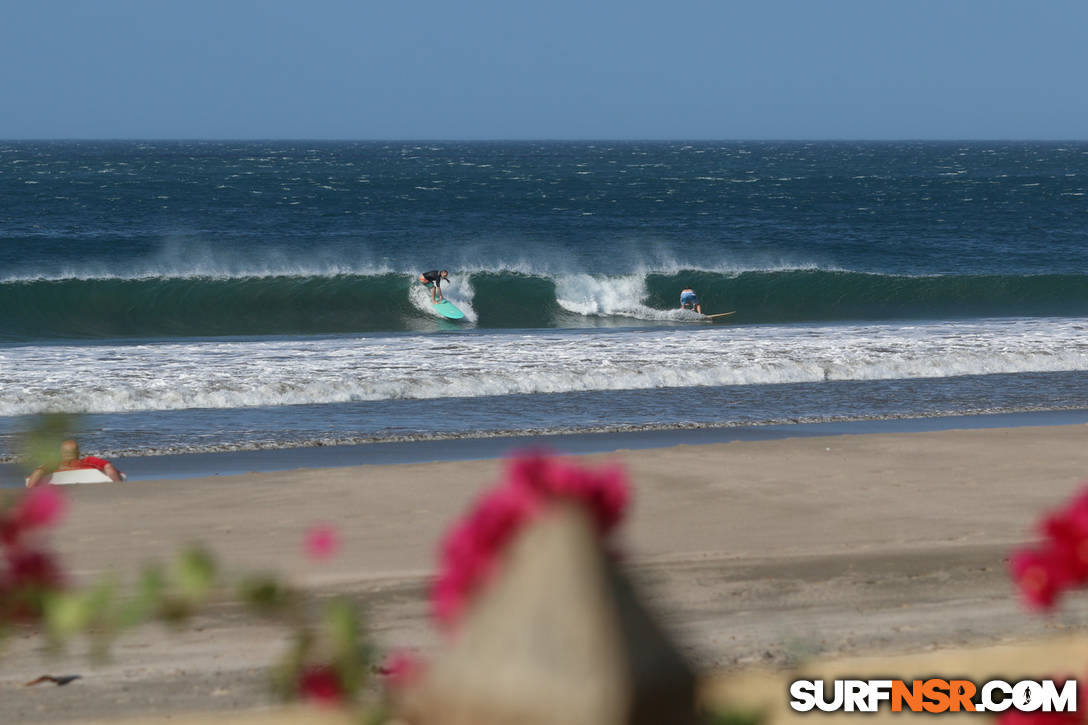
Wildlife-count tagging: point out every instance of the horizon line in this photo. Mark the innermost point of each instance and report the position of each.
(299, 139)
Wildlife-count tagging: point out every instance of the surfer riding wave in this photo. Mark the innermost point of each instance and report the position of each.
(433, 281)
(690, 301)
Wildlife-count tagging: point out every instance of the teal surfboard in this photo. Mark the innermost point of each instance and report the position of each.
(448, 310)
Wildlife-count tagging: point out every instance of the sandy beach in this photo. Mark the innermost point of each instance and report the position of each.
(754, 553)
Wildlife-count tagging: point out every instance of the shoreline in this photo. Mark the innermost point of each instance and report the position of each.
(176, 466)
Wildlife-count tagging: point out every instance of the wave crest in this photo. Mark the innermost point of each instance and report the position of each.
(306, 304)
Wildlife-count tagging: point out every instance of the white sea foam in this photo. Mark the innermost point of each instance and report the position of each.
(232, 374)
(598, 296)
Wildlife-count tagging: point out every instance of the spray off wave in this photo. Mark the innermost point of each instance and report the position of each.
(315, 304)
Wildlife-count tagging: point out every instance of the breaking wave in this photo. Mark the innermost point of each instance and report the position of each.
(104, 307)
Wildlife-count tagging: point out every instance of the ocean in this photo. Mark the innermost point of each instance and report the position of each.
(187, 297)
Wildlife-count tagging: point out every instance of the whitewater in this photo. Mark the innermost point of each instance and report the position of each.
(307, 371)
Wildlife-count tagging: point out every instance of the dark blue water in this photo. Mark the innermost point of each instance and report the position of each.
(181, 286)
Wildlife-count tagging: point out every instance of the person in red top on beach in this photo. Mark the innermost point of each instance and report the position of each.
(70, 461)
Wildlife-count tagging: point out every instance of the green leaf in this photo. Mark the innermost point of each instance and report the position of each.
(194, 575)
(343, 631)
(285, 676)
(67, 614)
(265, 593)
(341, 624)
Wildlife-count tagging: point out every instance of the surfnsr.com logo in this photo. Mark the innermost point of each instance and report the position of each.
(934, 695)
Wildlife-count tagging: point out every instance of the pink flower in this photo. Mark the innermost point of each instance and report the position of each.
(321, 684)
(28, 575)
(462, 574)
(41, 506)
(32, 569)
(1042, 576)
(527, 469)
(473, 547)
(1068, 534)
(604, 491)
(10, 530)
(322, 542)
(1061, 562)
(401, 669)
(499, 514)
(607, 495)
(448, 597)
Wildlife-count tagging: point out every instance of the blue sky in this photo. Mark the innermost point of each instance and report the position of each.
(555, 69)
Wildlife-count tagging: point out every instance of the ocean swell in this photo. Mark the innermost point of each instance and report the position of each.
(68, 308)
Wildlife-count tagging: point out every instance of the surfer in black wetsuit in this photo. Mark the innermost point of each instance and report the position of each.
(433, 280)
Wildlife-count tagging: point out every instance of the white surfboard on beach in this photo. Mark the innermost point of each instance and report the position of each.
(82, 475)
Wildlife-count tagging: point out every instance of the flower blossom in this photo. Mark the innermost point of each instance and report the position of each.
(38, 507)
(401, 669)
(27, 572)
(41, 506)
(471, 550)
(322, 542)
(1060, 563)
(321, 684)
